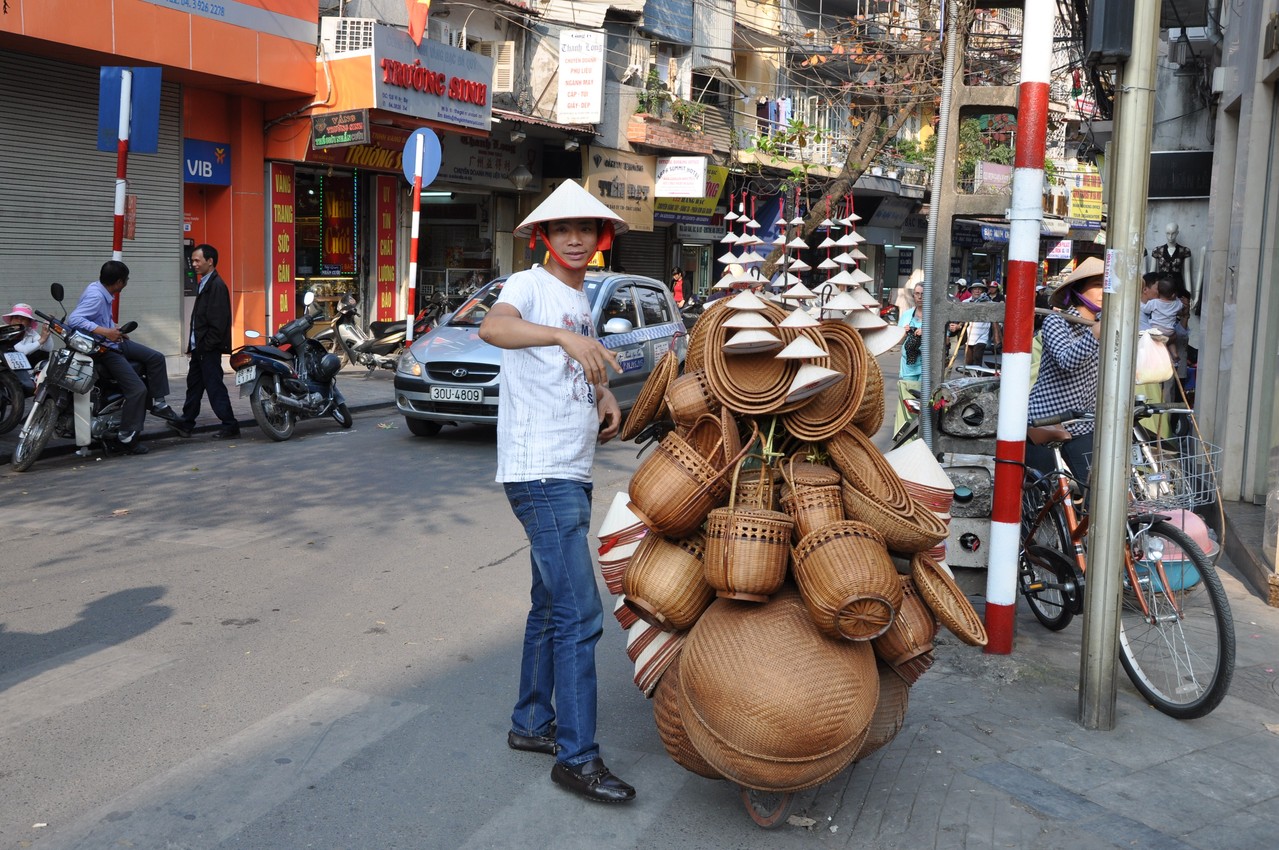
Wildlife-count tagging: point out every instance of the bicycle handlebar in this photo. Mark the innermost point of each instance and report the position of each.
(1140, 411)
(1059, 418)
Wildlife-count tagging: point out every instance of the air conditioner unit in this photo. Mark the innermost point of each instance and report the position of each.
(346, 35)
(442, 31)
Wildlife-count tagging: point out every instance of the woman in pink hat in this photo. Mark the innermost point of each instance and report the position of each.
(34, 340)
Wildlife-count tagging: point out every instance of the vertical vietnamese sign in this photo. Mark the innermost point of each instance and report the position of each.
(581, 74)
(384, 211)
(339, 226)
(282, 247)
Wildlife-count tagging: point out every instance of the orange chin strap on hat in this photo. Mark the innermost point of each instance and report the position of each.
(605, 229)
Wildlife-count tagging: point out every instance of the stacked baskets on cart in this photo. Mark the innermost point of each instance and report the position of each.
(782, 578)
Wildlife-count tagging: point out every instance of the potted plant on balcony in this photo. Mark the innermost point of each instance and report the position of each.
(689, 114)
(652, 99)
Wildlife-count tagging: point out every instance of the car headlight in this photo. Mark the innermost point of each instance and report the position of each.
(408, 365)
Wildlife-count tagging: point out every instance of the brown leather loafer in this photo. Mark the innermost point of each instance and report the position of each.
(593, 781)
(533, 743)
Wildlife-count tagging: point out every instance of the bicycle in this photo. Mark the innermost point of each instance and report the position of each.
(1176, 640)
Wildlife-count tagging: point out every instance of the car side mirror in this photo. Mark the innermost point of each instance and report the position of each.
(618, 325)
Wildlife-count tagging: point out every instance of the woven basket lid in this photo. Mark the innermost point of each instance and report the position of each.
(761, 689)
(651, 403)
(915, 463)
(865, 468)
(670, 726)
(937, 588)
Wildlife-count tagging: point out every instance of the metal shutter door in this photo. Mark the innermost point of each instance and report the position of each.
(57, 197)
(643, 253)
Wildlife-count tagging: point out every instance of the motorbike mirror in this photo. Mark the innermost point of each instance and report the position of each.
(254, 334)
(56, 290)
(308, 299)
(128, 327)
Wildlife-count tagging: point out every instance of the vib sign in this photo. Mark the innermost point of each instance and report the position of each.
(206, 162)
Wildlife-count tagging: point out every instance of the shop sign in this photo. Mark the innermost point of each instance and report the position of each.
(1179, 174)
(891, 212)
(914, 226)
(339, 225)
(1063, 249)
(487, 161)
(681, 176)
(1085, 195)
(206, 162)
(967, 234)
(340, 129)
(994, 233)
(581, 77)
(687, 232)
(694, 210)
(623, 182)
(905, 261)
(384, 152)
(431, 80)
(385, 190)
(282, 248)
(992, 177)
(251, 16)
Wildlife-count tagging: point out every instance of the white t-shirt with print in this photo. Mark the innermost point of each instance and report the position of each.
(546, 419)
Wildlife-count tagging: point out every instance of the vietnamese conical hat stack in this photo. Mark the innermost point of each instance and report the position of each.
(832, 410)
(798, 318)
(826, 243)
(828, 263)
(923, 476)
(863, 319)
(840, 278)
(797, 243)
(844, 259)
(728, 238)
(743, 319)
(570, 201)
(866, 299)
(747, 301)
(798, 292)
(728, 258)
(857, 254)
(848, 240)
(842, 301)
(799, 266)
(860, 276)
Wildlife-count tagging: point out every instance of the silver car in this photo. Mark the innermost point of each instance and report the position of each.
(451, 376)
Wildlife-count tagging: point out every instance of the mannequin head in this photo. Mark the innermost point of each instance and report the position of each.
(1171, 231)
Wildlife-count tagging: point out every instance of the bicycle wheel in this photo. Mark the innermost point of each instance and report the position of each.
(1182, 655)
(1052, 586)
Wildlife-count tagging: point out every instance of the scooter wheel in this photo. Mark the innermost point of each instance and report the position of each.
(343, 416)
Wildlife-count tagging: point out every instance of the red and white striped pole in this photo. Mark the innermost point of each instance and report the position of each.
(1026, 218)
(411, 306)
(121, 169)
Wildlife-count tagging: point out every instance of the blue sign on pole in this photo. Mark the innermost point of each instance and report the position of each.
(431, 156)
(206, 162)
(144, 123)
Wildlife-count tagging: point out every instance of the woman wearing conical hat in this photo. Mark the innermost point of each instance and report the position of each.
(554, 407)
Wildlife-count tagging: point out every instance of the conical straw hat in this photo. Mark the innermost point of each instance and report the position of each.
(810, 380)
(828, 263)
(798, 291)
(863, 320)
(842, 301)
(728, 258)
(880, 340)
(748, 319)
(915, 463)
(864, 297)
(802, 348)
(570, 201)
(799, 318)
(799, 266)
(797, 243)
(619, 517)
(747, 301)
(728, 238)
(857, 254)
(750, 341)
(860, 276)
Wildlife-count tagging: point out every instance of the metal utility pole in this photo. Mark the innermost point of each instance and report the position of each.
(1129, 172)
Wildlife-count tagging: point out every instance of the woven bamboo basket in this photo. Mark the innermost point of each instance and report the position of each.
(811, 496)
(890, 712)
(689, 397)
(863, 466)
(848, 581)
(747, 550)
(664, 583)
(768, 701)
(797, 471)
(651, 402)
(908, 643)
(939, 591)
(757, 488)
(870, 414)
(916, 529)
(676, 486)
(670, 726)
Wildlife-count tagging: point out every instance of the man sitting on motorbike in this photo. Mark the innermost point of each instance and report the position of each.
(93, 314)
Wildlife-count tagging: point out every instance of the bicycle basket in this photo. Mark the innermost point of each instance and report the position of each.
(68, 372)
(1177, 472)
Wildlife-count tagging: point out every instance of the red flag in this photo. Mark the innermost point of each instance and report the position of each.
(418, 11)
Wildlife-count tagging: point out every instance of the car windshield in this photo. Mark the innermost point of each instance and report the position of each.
(475, 308)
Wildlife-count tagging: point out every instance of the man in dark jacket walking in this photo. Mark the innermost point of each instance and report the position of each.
(209, 339)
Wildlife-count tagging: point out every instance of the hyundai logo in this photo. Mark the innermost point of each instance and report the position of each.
(460, 373)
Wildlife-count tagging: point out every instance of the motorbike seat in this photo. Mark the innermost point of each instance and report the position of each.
(271, 351)
(380, 329)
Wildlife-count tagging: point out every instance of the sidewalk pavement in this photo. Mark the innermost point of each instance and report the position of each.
(364, 390)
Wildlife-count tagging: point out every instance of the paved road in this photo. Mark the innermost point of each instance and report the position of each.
(314, 644)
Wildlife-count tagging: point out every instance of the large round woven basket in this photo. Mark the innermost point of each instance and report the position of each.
(908, 643)
(664, 583)
(754, 383)
(747, 552)
(863, 466)
(670, 726)
(813, 508)
(676, 486)
(768, 701)
(947, 601)
(915, 529)
(890, 712)
(651, 403)
(834, 408)
(848, 581)
(870, 414)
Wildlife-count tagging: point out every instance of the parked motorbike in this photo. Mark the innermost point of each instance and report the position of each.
(378, 347)
(73, 397)
(289, 378)
(15, 378)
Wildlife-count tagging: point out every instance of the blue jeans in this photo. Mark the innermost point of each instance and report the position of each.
(566, 618)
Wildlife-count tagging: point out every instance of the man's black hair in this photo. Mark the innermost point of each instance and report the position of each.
(112, 272)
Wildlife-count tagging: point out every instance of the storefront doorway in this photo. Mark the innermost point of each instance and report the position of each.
(695, 260)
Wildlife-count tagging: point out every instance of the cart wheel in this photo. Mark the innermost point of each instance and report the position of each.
(769, 809)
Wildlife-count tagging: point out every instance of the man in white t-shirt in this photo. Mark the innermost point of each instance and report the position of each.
(554, 407)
